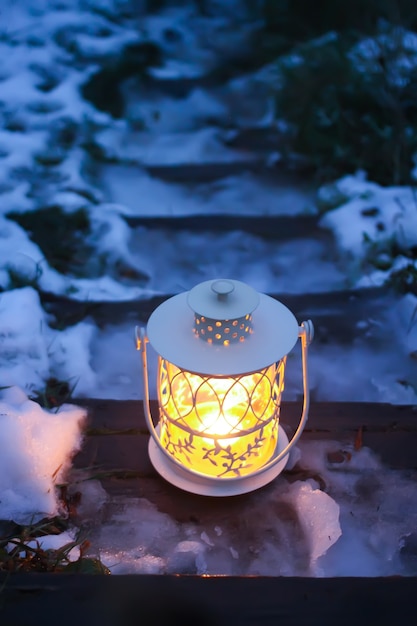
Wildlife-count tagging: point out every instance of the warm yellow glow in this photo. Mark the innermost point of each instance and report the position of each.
(220, 426)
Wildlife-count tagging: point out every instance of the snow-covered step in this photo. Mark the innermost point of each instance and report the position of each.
(354, 331)
(275, 227)
(341, 314)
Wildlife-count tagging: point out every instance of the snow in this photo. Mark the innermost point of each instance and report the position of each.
(332, 533)
(383, 215)
(147, 148)
(32, 352)
(319, 518)
(157, 544)
(400, 49)
(245, 257)
(173, 115)
(377, 512)
(246, 194)
(36, 449)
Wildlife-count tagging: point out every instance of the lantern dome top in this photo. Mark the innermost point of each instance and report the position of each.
(272, 330)
(223, 299)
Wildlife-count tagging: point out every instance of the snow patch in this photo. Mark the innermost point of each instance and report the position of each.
(37, 446)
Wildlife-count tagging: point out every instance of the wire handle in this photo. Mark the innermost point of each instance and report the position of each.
(141, 341)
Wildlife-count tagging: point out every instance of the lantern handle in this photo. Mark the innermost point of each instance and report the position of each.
(306, 334)
(141, 341)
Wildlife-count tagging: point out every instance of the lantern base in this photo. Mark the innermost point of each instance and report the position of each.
(210, 485)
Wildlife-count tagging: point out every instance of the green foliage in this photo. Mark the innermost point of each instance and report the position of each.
(103, 89)
(381, 255)
(345, 115)
(405, 280)
(67, 242)
(86, 565)
(21, 550)
(54, 394)
(288, 23)
(62, 237)
(304, 19)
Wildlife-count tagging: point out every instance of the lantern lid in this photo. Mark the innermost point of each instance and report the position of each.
(171, 329)
(223, 299)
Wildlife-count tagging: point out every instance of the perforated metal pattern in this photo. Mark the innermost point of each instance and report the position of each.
(223, 332)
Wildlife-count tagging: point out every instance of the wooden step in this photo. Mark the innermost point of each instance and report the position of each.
(51, 599)
(116, 441)
(275, 227)
(336, 315)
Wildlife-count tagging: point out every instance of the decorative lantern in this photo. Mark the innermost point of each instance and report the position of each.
(222, 353)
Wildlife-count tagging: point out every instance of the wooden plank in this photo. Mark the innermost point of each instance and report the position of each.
(334, 417)
(47, 600)
(115, 449)
(206, 172)
(389, 430)
(275, 227)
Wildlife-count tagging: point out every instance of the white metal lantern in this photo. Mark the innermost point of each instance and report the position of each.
(222, 353)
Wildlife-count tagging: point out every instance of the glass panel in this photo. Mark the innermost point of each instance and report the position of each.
(220, 426)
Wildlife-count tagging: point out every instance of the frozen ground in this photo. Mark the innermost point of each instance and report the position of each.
(348, 516)
(48, 50)
(363, 525)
